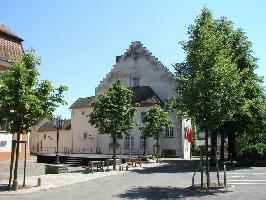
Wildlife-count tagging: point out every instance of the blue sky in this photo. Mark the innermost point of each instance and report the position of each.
(78, 40)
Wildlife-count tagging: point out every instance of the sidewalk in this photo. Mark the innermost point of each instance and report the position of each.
(75, 175)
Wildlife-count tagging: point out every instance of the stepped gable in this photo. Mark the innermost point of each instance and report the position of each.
(83, 102)
(10, 47)
(48, 126)
(136, 50)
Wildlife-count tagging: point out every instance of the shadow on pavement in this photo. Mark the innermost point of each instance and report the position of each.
(167, 193)
(181, 166)
(172, 166)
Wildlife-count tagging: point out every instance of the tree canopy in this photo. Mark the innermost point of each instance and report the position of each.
(24, 100)
(207, 81)
(112, 111)
(155, 122)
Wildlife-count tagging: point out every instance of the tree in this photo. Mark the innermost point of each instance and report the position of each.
(208, 80)
(112, 113)
(155, 123)
(253, 99)
(24, 100)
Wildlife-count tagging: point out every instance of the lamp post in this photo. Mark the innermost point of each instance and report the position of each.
(58, 123)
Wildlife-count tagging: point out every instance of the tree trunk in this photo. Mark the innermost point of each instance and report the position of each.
(11, 164)
(144, 148)
(230, 146)
(234, 153)
(222, 146)
(157, 149)
(213, 147)
(17, 159)
(207, 157)
(114, 153)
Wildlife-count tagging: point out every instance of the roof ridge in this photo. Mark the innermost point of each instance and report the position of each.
(8, 32)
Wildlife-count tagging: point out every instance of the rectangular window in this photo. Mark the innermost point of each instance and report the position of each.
(142, 142)
(142, 116)
(126, 142)
(169, 132)
(3, 125)
(136, 82)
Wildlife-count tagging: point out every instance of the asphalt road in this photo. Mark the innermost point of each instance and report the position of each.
(167, 182)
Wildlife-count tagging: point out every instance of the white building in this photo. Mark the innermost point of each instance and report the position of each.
(151, 83)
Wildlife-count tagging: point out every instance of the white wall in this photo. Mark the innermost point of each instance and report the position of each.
(79, 126)
(47, 140)
(5, 137)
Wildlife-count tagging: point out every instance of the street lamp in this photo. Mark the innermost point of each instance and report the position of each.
(58, 123)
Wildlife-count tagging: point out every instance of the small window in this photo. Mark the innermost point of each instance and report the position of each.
(169, 132)
(142, 116)
(136, 82)
(142, 142)
(85, 135)
(166, 105)
(3, 125)
(126, 142)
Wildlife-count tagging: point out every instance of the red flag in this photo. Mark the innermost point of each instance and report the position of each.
(190, 135)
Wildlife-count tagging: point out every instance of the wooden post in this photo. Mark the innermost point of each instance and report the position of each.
(25, 162)
(217, 167)
(11, 163)
(201, 167)
(225, 181)
(15, 185)
(39, 182)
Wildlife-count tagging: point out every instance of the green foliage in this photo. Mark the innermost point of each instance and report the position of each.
(253, 99)
(23, 99)
(113, 111)
(155, 122)
(207, 81)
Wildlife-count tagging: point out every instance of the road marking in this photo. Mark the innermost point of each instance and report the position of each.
(237, 176)
(259, 173)
(249, 180)
(248, 183)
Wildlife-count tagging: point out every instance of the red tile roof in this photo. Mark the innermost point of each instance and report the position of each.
(10, 47)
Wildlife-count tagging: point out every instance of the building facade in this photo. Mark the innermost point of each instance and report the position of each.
(43, 139)
(10, 49)
(151, 83)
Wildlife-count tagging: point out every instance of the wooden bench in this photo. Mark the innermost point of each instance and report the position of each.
(134, 161)
(55, 169)
(109, 162)
(95, 164)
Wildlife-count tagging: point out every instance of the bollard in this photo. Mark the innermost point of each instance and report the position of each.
(15, 185)
(39, 182)
(225, 182)
(120, 168)
(127, 167)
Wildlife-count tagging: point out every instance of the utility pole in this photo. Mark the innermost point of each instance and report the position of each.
(130, 120)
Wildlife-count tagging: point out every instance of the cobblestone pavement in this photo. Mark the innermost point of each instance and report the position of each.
(163, 182)
(33, 168)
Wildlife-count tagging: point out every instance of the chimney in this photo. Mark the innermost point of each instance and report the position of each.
(117, 58)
